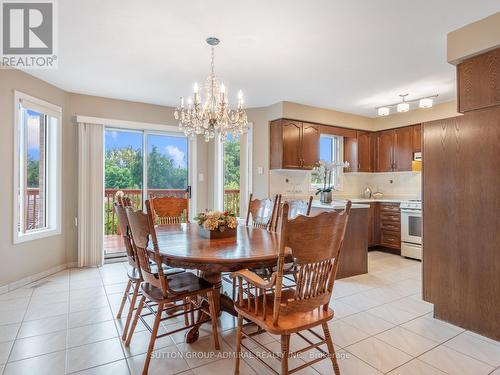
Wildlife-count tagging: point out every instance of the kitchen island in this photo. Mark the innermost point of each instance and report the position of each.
(354, 254)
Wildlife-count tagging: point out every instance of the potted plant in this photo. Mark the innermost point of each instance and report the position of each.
(217, 224)
(323, 171)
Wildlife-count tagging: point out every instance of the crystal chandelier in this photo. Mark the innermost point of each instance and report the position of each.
(212, 115)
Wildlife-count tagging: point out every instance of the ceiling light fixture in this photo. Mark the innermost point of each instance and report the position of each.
(425, 103)
(384, 111)
(404, 105)
(213, 115)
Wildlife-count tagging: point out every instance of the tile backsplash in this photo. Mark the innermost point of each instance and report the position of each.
(391, 184)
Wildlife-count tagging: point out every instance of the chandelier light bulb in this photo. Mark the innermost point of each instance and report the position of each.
(383, 111)
(240, 95)
(222, 88)
(190, 101)
(196, 88)
(403, 107)
(425, 103)
(182, 102)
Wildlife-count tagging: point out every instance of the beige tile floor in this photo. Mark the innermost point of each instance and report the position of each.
(65, 324)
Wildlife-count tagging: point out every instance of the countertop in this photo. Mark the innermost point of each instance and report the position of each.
(337, 205)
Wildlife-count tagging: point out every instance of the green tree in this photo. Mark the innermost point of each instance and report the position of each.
(162, 172)
(232, 164)
(33, 175)
(123, 168)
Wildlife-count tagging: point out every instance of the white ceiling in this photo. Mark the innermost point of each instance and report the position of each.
(344, 55)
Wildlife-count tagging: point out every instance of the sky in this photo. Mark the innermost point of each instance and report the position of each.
(325, 149)
(172, 146)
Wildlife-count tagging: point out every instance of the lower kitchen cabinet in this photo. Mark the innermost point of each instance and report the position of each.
(384, 227)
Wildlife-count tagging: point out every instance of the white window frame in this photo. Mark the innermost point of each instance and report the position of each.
(337, 154)
(54, 170)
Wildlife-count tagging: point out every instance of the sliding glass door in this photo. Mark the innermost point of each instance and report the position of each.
(140, 165)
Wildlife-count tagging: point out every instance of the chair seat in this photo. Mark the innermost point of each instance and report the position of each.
(182, 284)
(287, 324)
(134, 275)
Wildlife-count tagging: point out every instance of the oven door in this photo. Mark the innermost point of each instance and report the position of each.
(411, 226)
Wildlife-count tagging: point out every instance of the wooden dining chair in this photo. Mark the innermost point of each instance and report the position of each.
(296, 207)
(261, 213)
(315, 243)
(170, 210)
(132, 290)
(160, 292)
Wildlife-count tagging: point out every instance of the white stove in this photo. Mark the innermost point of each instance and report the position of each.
(411, 229)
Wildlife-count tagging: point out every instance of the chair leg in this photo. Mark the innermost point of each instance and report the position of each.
(331, 349)
(154, 333)
(234, 289)
(238, 345)
(136, 318)
(124, 299)
(130, 310)
(186, 306)
(213, 318)
(285, 350)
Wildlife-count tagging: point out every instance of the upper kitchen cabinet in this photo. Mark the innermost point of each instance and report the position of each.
(358, 152)
(403, 148)
(293, 144)
(417, 138)
(384, 147)
(394, 148)
(365, 151)
(478, 82)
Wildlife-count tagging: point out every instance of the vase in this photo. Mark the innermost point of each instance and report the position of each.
(325, 197)
(216, 233)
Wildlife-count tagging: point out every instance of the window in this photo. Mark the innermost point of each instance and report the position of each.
(37, 143)
(330, 151)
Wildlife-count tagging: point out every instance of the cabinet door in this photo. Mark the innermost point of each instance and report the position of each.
(351, 154)
(385, 151)
(403, 148)
(310, 145)
(292, 134)
(364, 152)
(417, 138)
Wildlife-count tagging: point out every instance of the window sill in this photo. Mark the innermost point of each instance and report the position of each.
(27, 237)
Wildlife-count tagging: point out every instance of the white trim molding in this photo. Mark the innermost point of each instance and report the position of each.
(123, 124)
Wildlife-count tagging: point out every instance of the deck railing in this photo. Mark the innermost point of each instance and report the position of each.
(231, 203)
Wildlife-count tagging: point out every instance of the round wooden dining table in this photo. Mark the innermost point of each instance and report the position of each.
(182, 246)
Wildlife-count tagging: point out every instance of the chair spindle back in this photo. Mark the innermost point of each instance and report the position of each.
(125, 231)
(143, 231)
(262, 212)
(296, 207)
(315, 242)
(170, 210)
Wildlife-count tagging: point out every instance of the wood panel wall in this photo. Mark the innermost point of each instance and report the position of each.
(461, 219)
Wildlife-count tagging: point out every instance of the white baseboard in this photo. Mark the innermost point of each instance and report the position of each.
(30, 279)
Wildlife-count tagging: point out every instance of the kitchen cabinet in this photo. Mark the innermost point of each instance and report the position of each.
(293, 144)
(417, 138)
(373, 238)
(394, 148)
(351, 154)
(390, 226)
(365, 151)
(384, 151)
(403, 148)
(358, 152)
(478, 82)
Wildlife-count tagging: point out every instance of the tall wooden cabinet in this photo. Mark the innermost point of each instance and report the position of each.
(293, 144)
(358, 152)
(384, 146)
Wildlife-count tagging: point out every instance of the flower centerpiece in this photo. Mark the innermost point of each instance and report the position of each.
(323, 173)
(217, 224)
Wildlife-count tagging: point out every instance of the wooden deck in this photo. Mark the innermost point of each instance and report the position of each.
(113, 244)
